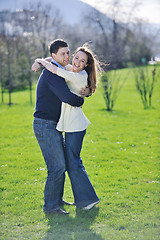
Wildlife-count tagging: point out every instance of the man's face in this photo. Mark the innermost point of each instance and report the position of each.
(62, 56)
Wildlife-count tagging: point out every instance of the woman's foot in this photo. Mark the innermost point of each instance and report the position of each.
(88, 207)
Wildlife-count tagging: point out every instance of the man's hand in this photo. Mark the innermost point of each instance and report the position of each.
(36, 66)
(84, 92)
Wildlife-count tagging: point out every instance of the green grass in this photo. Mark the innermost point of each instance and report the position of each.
(121, 153)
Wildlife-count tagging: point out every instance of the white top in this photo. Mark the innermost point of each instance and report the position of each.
(72, 119)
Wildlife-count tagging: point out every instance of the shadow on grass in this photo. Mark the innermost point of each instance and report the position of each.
(73, 228)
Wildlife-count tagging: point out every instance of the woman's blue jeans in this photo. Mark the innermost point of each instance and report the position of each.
(83, 191)
(52, 146)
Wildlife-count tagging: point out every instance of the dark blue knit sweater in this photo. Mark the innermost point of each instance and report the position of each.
(52, 90)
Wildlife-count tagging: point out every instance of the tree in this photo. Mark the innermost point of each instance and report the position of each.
(140, 47)
(112, 82)
(115, 36)
(8, 35)
(2, 67)
(45, 26)
(145, 82)
(26, 34)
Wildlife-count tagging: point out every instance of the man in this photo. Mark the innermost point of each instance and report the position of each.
(52, 90)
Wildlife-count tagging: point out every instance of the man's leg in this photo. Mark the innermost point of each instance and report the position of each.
(51, 144)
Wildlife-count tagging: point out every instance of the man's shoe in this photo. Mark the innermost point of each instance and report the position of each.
(90, 206)
(58, 211)
(66, 203)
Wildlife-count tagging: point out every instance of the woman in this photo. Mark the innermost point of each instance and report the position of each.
(73, 122)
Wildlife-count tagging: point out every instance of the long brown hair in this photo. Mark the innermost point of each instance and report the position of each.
(91, 68)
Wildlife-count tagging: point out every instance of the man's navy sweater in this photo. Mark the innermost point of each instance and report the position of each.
(52, 90)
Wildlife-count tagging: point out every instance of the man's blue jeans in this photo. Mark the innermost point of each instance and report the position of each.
(83, 191)
(52, 147)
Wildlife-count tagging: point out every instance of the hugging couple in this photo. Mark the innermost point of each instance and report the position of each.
(60, 95)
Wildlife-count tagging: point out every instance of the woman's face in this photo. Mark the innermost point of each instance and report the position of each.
(79, 61)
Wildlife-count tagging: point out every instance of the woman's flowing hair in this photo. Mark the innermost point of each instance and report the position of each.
(92, 68)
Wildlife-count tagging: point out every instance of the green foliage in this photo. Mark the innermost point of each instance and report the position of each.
(140, 51)
(112, 82)
(15, 67)
(145, 78)
(121, 154)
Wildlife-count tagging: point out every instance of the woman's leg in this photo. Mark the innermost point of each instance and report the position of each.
(83, 190)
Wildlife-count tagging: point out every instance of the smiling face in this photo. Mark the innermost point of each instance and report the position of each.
(79, 61)
(62, 56)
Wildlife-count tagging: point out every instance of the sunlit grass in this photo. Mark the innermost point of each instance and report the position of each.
(121, 153)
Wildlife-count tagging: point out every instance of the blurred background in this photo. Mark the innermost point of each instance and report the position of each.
(122, 33)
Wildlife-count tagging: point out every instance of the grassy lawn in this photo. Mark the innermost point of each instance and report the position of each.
(121, 153)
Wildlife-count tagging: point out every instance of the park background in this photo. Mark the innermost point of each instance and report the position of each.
(121, 148)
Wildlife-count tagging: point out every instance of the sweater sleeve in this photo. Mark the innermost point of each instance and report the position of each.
(59, 87)
(78, 79)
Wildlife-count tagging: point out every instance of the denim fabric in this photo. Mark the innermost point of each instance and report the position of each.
(83, 191)
(52, 147)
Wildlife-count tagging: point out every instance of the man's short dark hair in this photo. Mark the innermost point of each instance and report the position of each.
(56, 45)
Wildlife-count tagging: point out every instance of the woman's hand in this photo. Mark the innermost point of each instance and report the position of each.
(84, 92)
(48, 65)
(39, 60)
(36, 66)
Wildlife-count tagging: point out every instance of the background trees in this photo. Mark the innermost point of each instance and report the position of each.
(115, 36)
(25, 35)
(112, 82)
(145, 82)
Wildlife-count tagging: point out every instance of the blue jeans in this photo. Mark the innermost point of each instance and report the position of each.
(83, 191)
(52, 147)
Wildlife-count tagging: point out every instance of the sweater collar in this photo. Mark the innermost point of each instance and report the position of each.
(58, 65)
